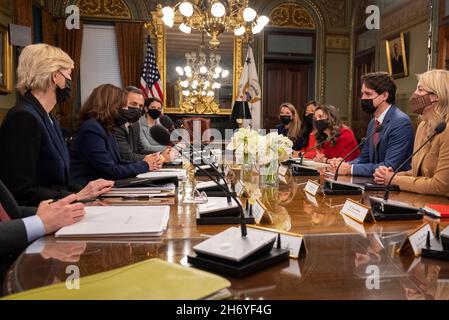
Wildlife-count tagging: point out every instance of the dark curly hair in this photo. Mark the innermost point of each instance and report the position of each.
(333, 116)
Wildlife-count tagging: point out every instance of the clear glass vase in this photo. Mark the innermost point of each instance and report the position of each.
(269, 174)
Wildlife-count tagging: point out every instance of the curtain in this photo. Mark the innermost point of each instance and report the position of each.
(48, 28)
(70, 41)
(23, 12)
(130, 44)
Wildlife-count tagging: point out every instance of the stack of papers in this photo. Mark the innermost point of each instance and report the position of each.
(180, 174)
(165, 190)
(110, 221)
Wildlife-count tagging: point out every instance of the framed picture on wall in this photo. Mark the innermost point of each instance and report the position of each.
(6, 68)
(397, 56)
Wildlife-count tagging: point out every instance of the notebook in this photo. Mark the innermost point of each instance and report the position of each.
(437, 210)
(148, 280)
(112, 221)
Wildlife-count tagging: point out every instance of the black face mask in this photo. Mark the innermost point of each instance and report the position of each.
(131, 115)
(309, 120)
(63, 95)
(154, 113)
(368, 106)
(321, 125)
(286, 120)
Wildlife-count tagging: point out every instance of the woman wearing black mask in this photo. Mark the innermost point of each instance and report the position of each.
(35, 162)
(94, 152)
(153, 111)
(340, 140)
(290, 126)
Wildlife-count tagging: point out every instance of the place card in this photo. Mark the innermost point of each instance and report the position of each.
(416, 240)
(283, 170)
(290, 241)
(357, 211)
(311, 199)
(239, 188)
(312, 188)
(358, 227)
(260, 211)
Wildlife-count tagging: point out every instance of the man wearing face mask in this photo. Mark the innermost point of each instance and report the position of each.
(430, 166)
(128, 135)
(34, 162)
(391, 146)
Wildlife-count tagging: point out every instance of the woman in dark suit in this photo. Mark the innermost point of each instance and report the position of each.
(94, 152)
(34, 162)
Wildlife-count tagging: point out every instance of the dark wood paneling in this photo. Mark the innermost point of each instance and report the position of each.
(363, 64)
(284, 82)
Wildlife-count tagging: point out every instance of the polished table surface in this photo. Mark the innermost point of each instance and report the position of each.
(339, 261)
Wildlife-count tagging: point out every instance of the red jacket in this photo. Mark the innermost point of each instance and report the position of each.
(346, 142)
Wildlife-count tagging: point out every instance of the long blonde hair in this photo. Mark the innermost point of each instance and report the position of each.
(436, 82)
(294, 130)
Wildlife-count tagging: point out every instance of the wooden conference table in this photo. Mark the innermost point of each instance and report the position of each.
(335, 266)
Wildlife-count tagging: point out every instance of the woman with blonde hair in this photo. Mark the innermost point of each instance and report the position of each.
(430, 166)
(290, 125)
(35, 162)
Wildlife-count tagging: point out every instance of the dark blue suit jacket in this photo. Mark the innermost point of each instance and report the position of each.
(94, 154)
(34, 162)
(395, 145)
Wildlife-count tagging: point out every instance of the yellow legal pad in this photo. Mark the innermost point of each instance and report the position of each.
(148, 280)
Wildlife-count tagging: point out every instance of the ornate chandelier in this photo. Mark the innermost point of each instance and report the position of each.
(214, 17)
(200, 76)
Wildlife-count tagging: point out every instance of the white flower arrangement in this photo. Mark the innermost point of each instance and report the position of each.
(272, 147)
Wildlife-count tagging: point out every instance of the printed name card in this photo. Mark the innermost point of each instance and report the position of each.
(416, 240)
(312, 188)
(259, 212)
(239, 188)
(283, 170)
(357, 211)
(289, 241)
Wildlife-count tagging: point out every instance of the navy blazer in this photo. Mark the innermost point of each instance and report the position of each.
(94, 154)
(34, 162)
(394, 147)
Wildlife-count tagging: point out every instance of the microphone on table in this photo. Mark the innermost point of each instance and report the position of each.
(167, 122)
(299, 170)
(385, 210)
(438, 130)
(162, 136)
(235, 251)
(362, 142)
(319, 145)
(334, 187)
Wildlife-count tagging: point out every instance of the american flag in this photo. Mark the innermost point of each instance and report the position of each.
(150, 80)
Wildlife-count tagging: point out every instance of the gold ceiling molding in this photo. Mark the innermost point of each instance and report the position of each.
(291, 15)
(336, 12)
(338, 42)
(117, 9)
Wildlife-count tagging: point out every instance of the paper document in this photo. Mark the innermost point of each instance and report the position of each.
(119, 221)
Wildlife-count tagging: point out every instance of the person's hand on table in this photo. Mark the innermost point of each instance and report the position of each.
(94, 189)
(320, 157)
(55, 215)
(333, 164)
(382, 175)
(154, 161)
